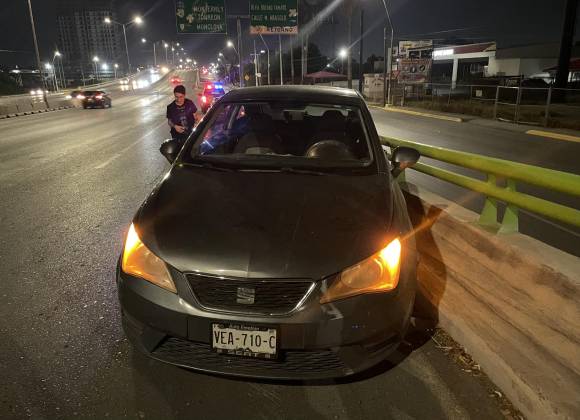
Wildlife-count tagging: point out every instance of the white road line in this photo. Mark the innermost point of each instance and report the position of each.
(139, 140)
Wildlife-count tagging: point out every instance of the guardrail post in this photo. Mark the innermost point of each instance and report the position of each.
(518, 100)
(495, 104)
(510, 222)
(547, 112)
(488, 215)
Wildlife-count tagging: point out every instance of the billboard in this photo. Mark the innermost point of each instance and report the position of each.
(201, 16)
(274, 17)
(414, 70)
(405, 46)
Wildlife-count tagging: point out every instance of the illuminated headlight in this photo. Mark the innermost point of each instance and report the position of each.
(33, 92)
(378, 273)
(139, 261)
(68, 97)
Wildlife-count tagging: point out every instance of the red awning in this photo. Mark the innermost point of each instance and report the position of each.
(325, 75)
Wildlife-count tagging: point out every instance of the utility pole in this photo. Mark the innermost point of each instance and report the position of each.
(348, 50)
(256, 70)
(292, 60)
(240, 53)
(385, 66)
(566, 43)
(360, 55)
(281, 63)
(38, 64)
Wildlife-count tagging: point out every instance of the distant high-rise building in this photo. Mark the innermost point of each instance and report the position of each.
(83, 34)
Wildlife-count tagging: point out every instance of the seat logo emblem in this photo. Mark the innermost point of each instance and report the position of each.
(246, 295)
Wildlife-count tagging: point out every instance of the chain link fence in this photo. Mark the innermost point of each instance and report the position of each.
(548, 107)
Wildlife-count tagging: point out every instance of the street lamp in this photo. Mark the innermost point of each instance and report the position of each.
(385, 99)
(136, 20)
(57, 54)
(230, 44)
(267, 49)
(116, 66)
(342, 54)
(143, 40)
(95, 61)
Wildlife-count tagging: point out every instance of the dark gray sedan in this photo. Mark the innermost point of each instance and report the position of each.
(277, 246)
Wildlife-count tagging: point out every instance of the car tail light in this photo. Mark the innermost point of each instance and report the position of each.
(208, 86)
(204, 99)
(99, 97)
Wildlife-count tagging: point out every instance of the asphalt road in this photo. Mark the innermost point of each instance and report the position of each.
(71, 182)
(496, 139)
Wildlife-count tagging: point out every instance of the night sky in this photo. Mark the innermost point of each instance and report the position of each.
(509, 22)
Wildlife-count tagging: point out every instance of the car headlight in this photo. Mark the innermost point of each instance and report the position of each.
(139, 261)
(378, 273)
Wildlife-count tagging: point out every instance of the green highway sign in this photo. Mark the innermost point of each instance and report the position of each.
(274, 17)
(201, 16)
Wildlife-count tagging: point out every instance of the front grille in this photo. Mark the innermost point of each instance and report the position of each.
(248, 296)
(291, 365)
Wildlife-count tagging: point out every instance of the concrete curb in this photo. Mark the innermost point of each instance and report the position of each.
(552, 135)
(511, 301)
(421, 114)
(38, 111)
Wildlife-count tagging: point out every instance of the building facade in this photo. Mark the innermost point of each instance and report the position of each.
(83, 35)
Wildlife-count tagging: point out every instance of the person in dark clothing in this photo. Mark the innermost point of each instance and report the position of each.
(181, 115)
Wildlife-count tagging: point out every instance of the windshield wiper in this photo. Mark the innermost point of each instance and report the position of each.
(291, 170)
(210, 165)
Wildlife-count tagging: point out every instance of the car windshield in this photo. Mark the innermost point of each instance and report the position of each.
(279, 134)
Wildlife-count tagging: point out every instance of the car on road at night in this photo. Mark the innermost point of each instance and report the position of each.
(211, 93)
(175, 80)
(95, 99)
(277, 246)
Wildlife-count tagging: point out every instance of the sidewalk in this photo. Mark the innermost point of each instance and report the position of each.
(535, 130)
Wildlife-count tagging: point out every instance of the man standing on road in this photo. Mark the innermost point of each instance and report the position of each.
(181, 115)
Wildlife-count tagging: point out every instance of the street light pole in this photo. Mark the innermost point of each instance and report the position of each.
(281, 64)
(136, 20)
(38, 64)
(268, 51)
(360, 55)
(154, 55)
(385, 98)
(127, 50)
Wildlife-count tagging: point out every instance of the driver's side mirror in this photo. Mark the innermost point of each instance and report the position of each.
(403, 158)
(170, 149)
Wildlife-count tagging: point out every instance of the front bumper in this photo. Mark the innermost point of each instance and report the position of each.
(315, 342)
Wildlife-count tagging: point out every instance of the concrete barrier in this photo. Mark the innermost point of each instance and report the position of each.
(25, 106)
(512, 301)
(8, 110)
(39, 106)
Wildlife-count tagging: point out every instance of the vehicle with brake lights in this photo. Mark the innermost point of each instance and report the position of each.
(211, 93)
(278, 245)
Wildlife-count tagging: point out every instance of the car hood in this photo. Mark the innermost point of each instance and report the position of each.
(265, 224)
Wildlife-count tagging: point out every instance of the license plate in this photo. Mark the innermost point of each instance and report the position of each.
(245, 340)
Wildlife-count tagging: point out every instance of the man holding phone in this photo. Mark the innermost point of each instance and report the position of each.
(181, 115)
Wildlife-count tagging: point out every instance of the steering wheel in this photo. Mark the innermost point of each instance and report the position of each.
(329, 149)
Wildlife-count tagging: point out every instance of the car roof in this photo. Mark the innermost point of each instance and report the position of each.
(323, 94)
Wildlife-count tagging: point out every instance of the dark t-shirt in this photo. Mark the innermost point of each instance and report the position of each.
(182, 115)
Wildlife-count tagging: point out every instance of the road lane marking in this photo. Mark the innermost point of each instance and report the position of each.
(557, 136)
(118, 154)
(419, 114)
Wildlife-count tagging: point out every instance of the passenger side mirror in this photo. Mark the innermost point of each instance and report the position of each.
(403, 158)
(170, 149)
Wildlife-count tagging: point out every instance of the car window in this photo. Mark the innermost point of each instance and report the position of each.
(285, 134)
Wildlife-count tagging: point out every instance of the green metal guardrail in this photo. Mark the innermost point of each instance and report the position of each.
(501, 169)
